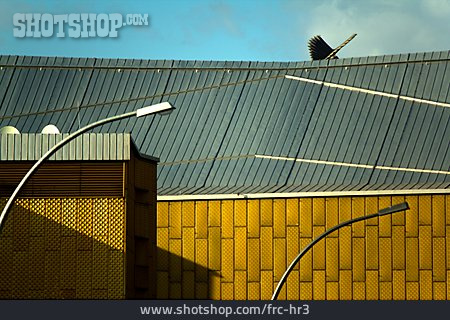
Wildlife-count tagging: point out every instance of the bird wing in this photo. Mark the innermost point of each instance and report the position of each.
(318, 48)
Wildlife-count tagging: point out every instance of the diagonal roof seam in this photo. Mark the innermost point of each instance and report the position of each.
(93, 105)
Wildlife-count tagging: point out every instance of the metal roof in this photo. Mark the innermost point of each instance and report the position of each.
(88, 146)
(371, 123)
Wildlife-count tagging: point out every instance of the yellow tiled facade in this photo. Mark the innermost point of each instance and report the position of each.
(71, 248)
(239, 249)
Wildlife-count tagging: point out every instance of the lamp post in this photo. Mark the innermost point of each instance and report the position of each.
(390, 210)
(163, 107)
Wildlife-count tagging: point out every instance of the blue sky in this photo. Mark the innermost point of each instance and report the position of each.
(262, 30)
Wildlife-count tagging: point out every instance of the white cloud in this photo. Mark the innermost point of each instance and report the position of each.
(383, 27)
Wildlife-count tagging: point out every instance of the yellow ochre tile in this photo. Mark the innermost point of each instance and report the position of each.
(319, 286)
(439, 269)
(332, 290)
(372, 285)
(318, 211)
(398, 285)
(293, 285)
(332, 259)
(240, 248)
(253, 219)
(175, 220)
(424, 210)
(425, 248)
(253, 260)
(305, 218)
(188, 213)
(279, 218)
(412, 216)
(227, 219)
(398, 247)
(266, 248)
(266, 212)
(240, 285)
(358, 210)
(412, 259)
(358, 270)
(201, 219)
(240, 213)
(438, 207)
(372, 248)
(384, 222)
(279, 263)
(385, 256)
(426, 285)
(292, 212)
(332, 215)
(345, 285)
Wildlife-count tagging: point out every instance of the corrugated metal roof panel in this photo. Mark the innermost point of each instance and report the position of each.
(228, 112)
(89, 146)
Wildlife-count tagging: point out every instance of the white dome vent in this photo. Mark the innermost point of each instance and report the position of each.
(9, 129)
(50, 129)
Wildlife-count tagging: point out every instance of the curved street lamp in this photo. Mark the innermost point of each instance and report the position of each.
(390, 210)
(161, 108)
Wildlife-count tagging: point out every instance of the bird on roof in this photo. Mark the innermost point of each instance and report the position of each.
(320, 50)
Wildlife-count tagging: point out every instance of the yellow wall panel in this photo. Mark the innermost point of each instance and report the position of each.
(227, 260)
(37, 260)
(162, 218)
(175, 220)
(214, 286)
(293, 285)
(240, 285)
(439, 270)
(345, 209)
(254, 291)
(447, 206)
(266, 248)
(201, 290)
(332, 259)
(358, 210)
(385, 257)
(385, 290)
(332, 290)
(398, 218)
(188, 213)
(279, 263)
(385, 222)
(412, 216)
(412, 291)
(359, 290)
(305, 262)
(319, 212)
(100, 217)
(439, 291)
(438, 215)
(227, 291)
(266, 285)
(372, 248)
(266, 212)
(345, 285)
(426, 285)
(214, 246)
(306, 218)
(279, 218)
(345, 248)
(448, 247)
(398, 285)
(371, 205)
(162, 241)
(412, 259)
(398, 247)
(332, 214)
(227, 219)
(175, 248)
(188, 285)
(254, 257)
(425, 248)
(6, 269)
(319, 286)
(240, 213)
(175, 290)
(358, 270)
(372, 285)
(68, 217)
(201, 260)
(188, 247)
(292, 211)
(201, 219)
(253, 219)
(292, 241)
(214, 212)
(424, 210)
(162, 283)
(306, 291)
(240, 248)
